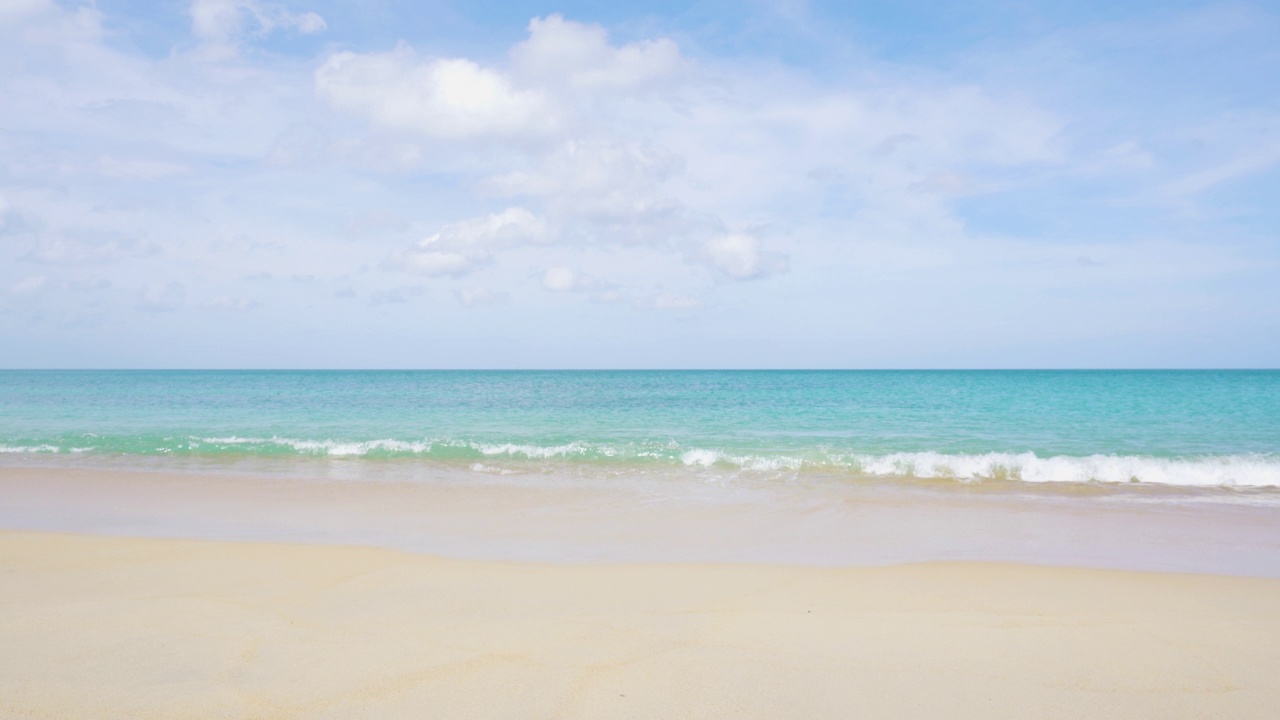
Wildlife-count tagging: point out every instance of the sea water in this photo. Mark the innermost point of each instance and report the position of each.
(1180, 428)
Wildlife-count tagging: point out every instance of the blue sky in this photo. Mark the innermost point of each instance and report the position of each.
(243, 183)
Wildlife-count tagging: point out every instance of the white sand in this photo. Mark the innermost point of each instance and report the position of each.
(95, 627)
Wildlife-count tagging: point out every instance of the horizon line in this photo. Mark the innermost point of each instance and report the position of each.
(640, 369)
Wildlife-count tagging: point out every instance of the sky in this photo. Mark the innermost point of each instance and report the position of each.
(756, 184)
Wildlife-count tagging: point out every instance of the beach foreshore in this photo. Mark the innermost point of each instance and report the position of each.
(94, 627)
(311, 592)
(574, 515)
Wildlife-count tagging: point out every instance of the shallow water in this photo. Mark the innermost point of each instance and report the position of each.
(1215, 429)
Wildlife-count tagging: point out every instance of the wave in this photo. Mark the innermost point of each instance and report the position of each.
(439, 448)
(1203, 471)
(1245, 471)
(20, 449)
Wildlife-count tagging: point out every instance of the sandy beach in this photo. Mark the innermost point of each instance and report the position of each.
(300, 591)
(96, 627)
(777, 360)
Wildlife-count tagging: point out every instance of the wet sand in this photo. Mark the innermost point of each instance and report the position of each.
(559, 517)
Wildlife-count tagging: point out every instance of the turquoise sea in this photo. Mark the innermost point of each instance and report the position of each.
(1199, 428)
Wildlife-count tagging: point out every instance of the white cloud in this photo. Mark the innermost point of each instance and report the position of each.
(222, 20)
(474, 296)
(451, 98)
(739, 256)
(606, 190)
(308, 23)
(563, 279)
(594, 167)
(561, 64)
(562, 52)
(460, 247)
(510, 227)
(161, 297)
(711, 148)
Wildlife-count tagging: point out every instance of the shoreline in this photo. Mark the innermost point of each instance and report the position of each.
(557, 518)
(1207, 476)
(94, 626)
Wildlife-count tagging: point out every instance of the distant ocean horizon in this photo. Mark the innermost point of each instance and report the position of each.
(1202, 428)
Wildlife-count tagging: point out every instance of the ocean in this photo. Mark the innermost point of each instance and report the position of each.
(1175, 428)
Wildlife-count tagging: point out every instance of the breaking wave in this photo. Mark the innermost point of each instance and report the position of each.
(1245, 471)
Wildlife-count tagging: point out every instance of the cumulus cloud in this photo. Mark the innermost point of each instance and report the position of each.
(563, 279)
(460, 247)
(665, 167)
(450, 98)
(560, 65)
(739, 257)
(562, 52)
(161, 297)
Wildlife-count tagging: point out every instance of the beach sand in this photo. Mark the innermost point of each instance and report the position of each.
(112, 627)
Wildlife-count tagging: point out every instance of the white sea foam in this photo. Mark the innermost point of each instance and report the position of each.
(1228, 470)
(701, 458)
(1206, 471)
(758, 463)
(1244, 471)
(491, 470)
(332, 448)
(347, 448)
(16, 449)
(532, 451)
